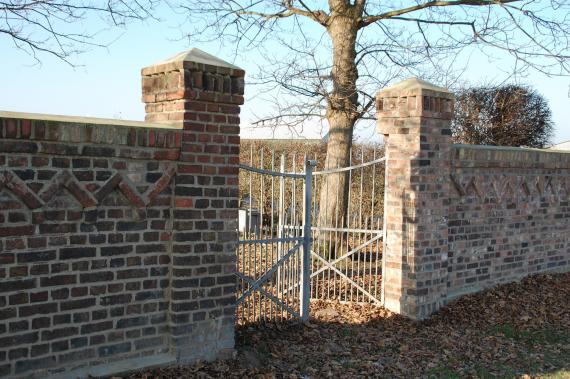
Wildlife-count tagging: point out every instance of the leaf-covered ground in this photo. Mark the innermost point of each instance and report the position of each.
(517, 330)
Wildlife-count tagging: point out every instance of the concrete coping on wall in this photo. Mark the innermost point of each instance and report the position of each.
(87, 120)
(506, 156)
(509, 148)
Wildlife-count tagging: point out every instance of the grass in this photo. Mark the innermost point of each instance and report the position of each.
(483, 373)
(562, 374)
(443, 373)
(541, 347)
(532, 337)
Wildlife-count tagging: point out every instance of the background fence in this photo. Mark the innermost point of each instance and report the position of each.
(266, 154)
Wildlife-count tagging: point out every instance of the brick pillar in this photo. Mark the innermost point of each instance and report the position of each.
(414, 117)
(202, 94)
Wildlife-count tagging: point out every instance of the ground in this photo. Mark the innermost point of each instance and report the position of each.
(518, 330)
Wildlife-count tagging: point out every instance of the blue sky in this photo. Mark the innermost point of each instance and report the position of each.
(106, 82)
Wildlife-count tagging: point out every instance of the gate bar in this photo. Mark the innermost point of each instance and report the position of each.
(306, 263)
(282, 173)
(350, 168)
(332, 229)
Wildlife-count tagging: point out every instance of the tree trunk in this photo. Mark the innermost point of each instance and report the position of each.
(341, 115)
(333, 201)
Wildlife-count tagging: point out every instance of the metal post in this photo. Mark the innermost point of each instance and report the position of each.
(384, 227)
(306, 261)
(280, 226)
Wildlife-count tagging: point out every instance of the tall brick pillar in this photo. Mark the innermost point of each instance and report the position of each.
(203, 94)
(414, 117)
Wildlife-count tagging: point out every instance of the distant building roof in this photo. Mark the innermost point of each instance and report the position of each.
(285, 140)
(561, 146)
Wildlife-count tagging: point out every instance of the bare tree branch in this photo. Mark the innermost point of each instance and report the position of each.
(430, 4)
(50, 27)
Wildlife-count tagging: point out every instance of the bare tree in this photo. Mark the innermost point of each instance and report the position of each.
(510, 115)
(53, 27)
(325, 60)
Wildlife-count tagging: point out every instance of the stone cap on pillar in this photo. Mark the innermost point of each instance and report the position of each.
(194, 59)
(192, 75)
(414, 97)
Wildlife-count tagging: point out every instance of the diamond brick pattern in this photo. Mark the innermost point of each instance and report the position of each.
(127, 187)
(64, 179)
(20, 189)
(502, 187)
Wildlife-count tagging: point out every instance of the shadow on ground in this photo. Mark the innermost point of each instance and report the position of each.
(517, 330)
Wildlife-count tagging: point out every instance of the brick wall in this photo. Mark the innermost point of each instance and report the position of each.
(460, 219)
(117, 241)
(509, 215)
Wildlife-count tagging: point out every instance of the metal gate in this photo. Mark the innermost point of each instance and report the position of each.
(346, 260)
(285, 259)
(274, 246)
